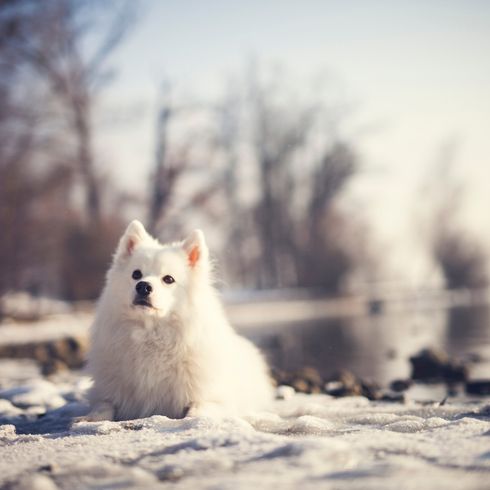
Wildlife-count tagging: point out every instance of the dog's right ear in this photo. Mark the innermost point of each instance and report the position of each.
(134, 235)
(196, 249)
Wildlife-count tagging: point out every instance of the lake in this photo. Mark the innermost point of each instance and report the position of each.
(377, 347)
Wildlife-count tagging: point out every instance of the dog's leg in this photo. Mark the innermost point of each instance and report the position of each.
(102, 410)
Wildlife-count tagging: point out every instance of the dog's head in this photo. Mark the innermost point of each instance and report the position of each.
(150, 278)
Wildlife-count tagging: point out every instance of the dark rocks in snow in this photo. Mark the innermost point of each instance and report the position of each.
(478, 387)
(393, 397)
(300, 385)
(346, 383)
(52, 355)
(432, 366)
(304, 380)
(456, 372)
(311, 376)
(343, 383)
(399, 385)
(428, 366)
(53, 366)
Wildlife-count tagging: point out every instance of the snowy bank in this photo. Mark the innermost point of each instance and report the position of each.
(304, 441)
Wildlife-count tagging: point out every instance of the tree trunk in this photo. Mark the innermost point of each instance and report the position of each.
(83, 135)
(161, 180)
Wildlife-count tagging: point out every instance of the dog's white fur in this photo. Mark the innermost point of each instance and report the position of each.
(180, 356)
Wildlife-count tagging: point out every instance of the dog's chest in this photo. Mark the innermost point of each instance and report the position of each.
(163, 370)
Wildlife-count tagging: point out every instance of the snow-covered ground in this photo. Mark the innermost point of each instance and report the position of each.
(304, 441)
(50, 328)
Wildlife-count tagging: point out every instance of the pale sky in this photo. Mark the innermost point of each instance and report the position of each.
(417, 72)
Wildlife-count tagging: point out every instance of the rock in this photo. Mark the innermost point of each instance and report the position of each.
(70, 350)
(300, 385)
(305, 380)
(51, 355)
(279, 376)
(399, 385)
(370, 390)
(347, 378)
(452, 390)
(428, 364)
(455, 372)
(311, 376)
(478, 387)
(53, 366)
(393, 397)
(431, 365)
(346, 383)
(343, 383)
(315, 389)
(41, 353)
(333, 387)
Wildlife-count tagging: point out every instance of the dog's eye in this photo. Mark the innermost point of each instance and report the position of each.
(137, 274)
(168, 279)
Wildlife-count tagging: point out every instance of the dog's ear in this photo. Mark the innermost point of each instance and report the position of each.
(196, 249)
(134, 235)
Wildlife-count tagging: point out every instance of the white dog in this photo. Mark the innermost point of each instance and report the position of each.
(161, 343)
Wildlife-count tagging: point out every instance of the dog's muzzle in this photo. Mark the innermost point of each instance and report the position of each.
(143, 291)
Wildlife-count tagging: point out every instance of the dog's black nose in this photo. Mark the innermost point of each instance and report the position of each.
(144, 288)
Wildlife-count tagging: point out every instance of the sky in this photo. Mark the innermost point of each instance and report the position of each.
(417, 74)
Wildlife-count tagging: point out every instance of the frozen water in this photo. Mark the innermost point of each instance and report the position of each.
(305, 441)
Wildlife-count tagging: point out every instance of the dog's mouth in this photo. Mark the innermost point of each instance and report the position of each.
(142, 302)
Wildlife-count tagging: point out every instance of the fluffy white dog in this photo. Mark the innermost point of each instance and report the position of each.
(161, 343)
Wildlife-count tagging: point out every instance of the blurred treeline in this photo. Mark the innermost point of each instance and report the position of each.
(59, 215)
(263, 170)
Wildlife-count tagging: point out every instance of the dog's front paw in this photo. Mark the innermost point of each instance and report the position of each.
(100, 411)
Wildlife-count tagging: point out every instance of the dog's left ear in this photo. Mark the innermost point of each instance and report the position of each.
(196, 249)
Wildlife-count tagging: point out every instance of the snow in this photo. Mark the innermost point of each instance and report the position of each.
(48, 329)
(20, 304)
(303, 441)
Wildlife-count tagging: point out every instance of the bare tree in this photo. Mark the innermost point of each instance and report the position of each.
(237, 221)
(279, 134)
(166, 171)
(328, 259)
(49, 39)
(24, 190)
(185, 178)
(49, 83)
(461, 258)
(290, 233)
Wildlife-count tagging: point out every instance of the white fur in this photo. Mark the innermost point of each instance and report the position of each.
(181, 356)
